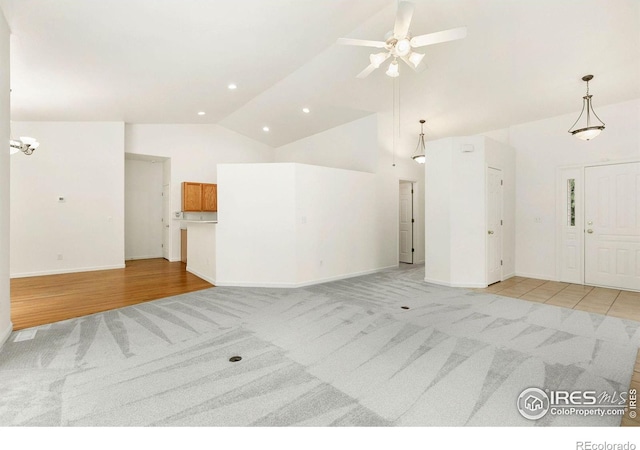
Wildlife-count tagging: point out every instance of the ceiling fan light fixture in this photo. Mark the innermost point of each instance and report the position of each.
(377, 58)
(403, 47)
(416, 58)
(589, 130)
(400, 42)
(393, 70)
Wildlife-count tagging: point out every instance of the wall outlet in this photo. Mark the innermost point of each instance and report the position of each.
(61, 199)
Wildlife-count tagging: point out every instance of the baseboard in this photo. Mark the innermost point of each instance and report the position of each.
(456, 285)
(536, 276)
(58, 272)
(204, 277)
(506, 277)
(5, 335)
(286, 285)
(134, 258)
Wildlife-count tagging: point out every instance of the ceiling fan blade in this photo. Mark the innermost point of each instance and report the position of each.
(440, 36)
(361, 42)
(370, 68)
(403, 20)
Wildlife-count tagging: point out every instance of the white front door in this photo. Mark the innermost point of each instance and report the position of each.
(166, 219)
(612, 226)
(406, 222)
(494, 225)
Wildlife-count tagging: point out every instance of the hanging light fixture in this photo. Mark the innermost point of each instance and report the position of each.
(25, 145)
(588, 131)
(393, 71)
(419, 154)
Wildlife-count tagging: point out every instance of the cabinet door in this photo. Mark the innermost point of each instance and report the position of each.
(209, 197)
(191, 196)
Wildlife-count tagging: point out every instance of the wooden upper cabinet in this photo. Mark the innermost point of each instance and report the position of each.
(209, 197)
(191, 196)
(199, 197)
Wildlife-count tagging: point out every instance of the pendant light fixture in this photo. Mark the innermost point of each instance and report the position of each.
(587, 131)
(419, 154)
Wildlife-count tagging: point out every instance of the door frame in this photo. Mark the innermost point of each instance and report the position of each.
(414, 208)
(486, 215)
(561, 201)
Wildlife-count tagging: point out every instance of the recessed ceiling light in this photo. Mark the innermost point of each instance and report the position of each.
(265, 129)
(201, 113)
(306, 110)
(232, 86)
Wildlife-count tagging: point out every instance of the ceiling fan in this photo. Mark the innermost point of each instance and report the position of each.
(400, 43)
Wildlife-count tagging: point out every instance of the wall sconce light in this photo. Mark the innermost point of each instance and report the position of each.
(25, 145)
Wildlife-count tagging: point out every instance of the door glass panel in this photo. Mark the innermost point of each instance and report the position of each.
(571, 202)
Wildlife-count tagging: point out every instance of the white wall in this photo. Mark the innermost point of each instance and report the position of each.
(455, 209)
(143, 225)
(541, 148)
(291, 225)
(256, 230)
(5, 116)
(367, 145)
(353, 146)
(195, 151)
(337, 228)
(84, 163)
(201, 248)
(438, 191)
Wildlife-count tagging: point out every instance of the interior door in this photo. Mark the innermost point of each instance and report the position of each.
(494, 225)
(406, 222)
(612, 226)
(166, 219)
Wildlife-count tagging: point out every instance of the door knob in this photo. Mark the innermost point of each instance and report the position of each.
(589, 231)
(490, 232)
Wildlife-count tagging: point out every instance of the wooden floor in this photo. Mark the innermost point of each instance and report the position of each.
(610, 302)
(47, 299)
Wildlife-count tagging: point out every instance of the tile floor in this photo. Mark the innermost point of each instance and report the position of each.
(610, 302)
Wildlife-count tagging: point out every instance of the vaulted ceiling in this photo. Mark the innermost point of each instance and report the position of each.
(163, 61)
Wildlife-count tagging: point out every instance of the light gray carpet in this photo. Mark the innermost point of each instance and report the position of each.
(337, 354)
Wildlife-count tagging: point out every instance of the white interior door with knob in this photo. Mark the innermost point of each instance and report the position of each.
(166, 215)
(406, 223)
(494, 225)
(612, 226)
